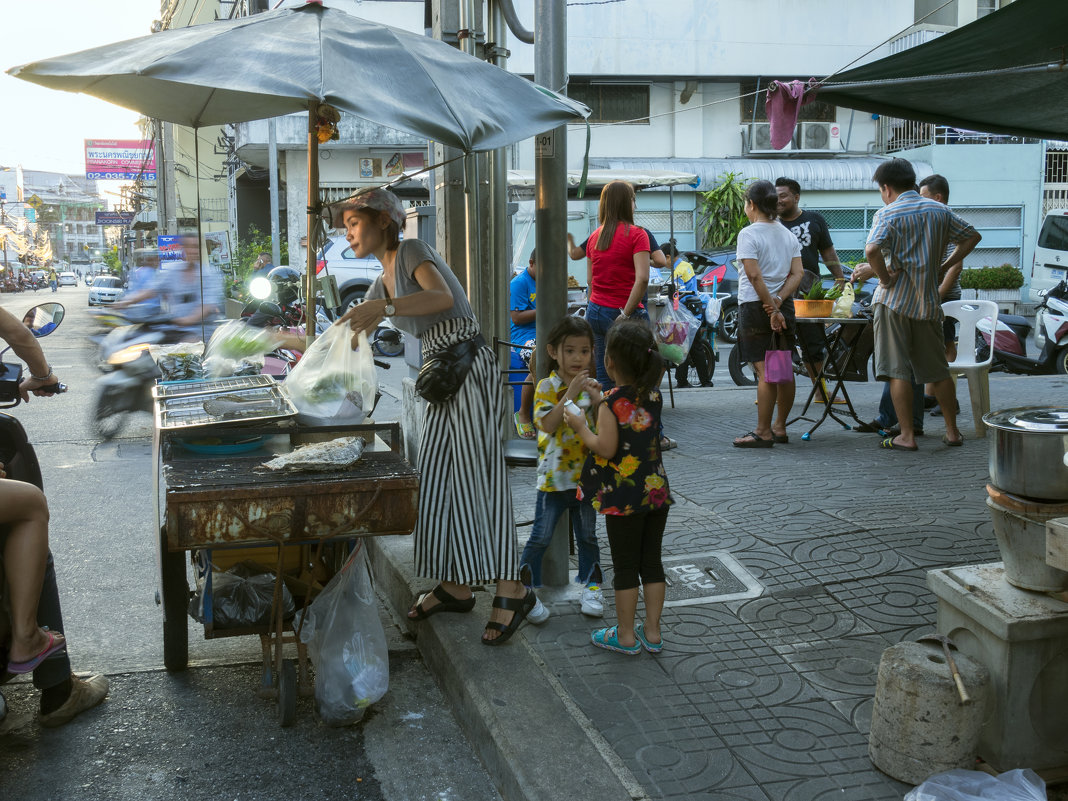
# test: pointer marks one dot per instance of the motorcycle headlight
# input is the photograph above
(127, 355)
(260, 288)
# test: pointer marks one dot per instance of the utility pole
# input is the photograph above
(550, 221)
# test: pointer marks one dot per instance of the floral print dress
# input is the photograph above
(633, 481)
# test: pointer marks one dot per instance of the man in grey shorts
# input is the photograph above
(905, 249)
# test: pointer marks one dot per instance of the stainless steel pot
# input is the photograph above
(1028, 453)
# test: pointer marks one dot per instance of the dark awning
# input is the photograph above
(1004, 73)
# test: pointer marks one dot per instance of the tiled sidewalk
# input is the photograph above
(770, 697)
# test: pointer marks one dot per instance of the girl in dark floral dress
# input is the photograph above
(624, 478)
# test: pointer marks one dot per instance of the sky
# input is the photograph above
(45, 129)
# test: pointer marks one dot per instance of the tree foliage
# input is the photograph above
(721, 212)
(250, 247)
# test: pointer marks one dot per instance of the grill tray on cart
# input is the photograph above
(182, 405)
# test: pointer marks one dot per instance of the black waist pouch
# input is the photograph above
(444, 372)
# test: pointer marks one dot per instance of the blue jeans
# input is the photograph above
(888, 416)
(547, 512)
(600, 319)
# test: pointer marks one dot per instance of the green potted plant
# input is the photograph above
(999, 284)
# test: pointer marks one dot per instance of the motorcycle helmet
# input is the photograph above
(286, 283)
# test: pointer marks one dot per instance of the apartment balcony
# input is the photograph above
(893, 134)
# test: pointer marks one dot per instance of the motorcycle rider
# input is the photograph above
(189, 295)
(29, 568)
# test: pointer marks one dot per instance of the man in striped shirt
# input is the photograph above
(905, 249)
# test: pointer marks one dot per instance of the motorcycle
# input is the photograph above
(387, 340)
(700, 363)
(1010, 338)
(130, 371)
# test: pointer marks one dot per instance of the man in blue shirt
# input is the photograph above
(524, 293)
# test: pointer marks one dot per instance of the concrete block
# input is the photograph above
(1057, 543)
(919, 726)
(1022, 639)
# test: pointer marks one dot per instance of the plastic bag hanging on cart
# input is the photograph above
(332, 381)
(347, 644)
(675, 331)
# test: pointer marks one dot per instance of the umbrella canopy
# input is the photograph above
(286, 60)
(1004, 73)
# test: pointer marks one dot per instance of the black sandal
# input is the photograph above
(447, 603)
(519, 607)
(751, 440)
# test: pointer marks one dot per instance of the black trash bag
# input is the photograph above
(242, 596)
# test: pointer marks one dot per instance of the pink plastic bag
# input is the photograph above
(778, 364)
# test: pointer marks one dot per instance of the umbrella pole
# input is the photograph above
(310, 310)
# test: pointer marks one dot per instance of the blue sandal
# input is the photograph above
(651, 647)
(608, 639)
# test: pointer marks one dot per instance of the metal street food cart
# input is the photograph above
(215, 500)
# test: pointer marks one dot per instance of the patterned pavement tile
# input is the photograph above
(750, 793)
(807, 524)
(674, 766)
(791, 741)
(812, 616)
(892, 601)
(857, 710)
(858, 554)
(945, 545)
(869, 785)
(838, 668)
(774, 568)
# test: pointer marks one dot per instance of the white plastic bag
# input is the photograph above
(347, 644)
(674, 332)
(843, 307)
(714, 308)
(333, 381)
(974, 785)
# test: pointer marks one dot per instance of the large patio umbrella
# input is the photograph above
(300, 57)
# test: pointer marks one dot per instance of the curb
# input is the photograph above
(530, 735)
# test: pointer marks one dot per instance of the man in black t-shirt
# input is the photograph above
(814, 235)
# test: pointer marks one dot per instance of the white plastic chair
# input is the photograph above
(968, 313)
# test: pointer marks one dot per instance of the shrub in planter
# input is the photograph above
(1004, 277)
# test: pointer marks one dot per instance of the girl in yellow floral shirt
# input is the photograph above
(624, 478)
(561, 456)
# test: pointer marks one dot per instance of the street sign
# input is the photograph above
(114, 217)
(35, 201)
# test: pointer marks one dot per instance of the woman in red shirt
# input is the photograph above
(619, 268)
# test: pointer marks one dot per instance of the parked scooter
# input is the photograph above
(1010, 338)
(387, 340)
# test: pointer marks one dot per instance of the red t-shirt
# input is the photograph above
(613, 269)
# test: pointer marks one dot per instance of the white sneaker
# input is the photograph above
(539, 614)
(593, 601)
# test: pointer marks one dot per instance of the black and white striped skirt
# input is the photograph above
(465, 531)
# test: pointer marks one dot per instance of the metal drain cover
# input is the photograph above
(711, 577)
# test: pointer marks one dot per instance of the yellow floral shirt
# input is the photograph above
(561, 454)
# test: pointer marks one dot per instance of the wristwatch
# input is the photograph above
(390, 309)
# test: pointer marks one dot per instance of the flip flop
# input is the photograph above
(667, 443)
(525, 430)
(447, 603)
(754, 442)
(651, 647)
(780, 439)
(56, 643)
(520, 608)
(889, 444)
(953, 443)
(609, 640)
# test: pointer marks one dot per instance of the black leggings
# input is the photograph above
(635, 542)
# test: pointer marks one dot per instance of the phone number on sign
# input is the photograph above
(120, 176)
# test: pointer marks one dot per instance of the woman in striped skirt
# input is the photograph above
(465, 533)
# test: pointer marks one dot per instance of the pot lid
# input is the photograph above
(1039, 419)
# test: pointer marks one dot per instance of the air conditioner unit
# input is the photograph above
(819, 136)
(759, 138)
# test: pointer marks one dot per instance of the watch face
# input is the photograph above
(390, 310)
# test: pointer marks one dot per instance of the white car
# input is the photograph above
(353, 275)
(67, 279)
(105, 289)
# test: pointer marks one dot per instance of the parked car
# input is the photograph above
(68, 279)
(354, 276)
(105, 289)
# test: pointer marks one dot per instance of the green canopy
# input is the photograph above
(1004, 73)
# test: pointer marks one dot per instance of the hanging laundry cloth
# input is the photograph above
(783, 105)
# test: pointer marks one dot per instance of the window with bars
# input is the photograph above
(613, 102)
(1057, 167)
(813, 112)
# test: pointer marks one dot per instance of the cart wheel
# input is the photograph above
(287, 693)
(175, 591)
